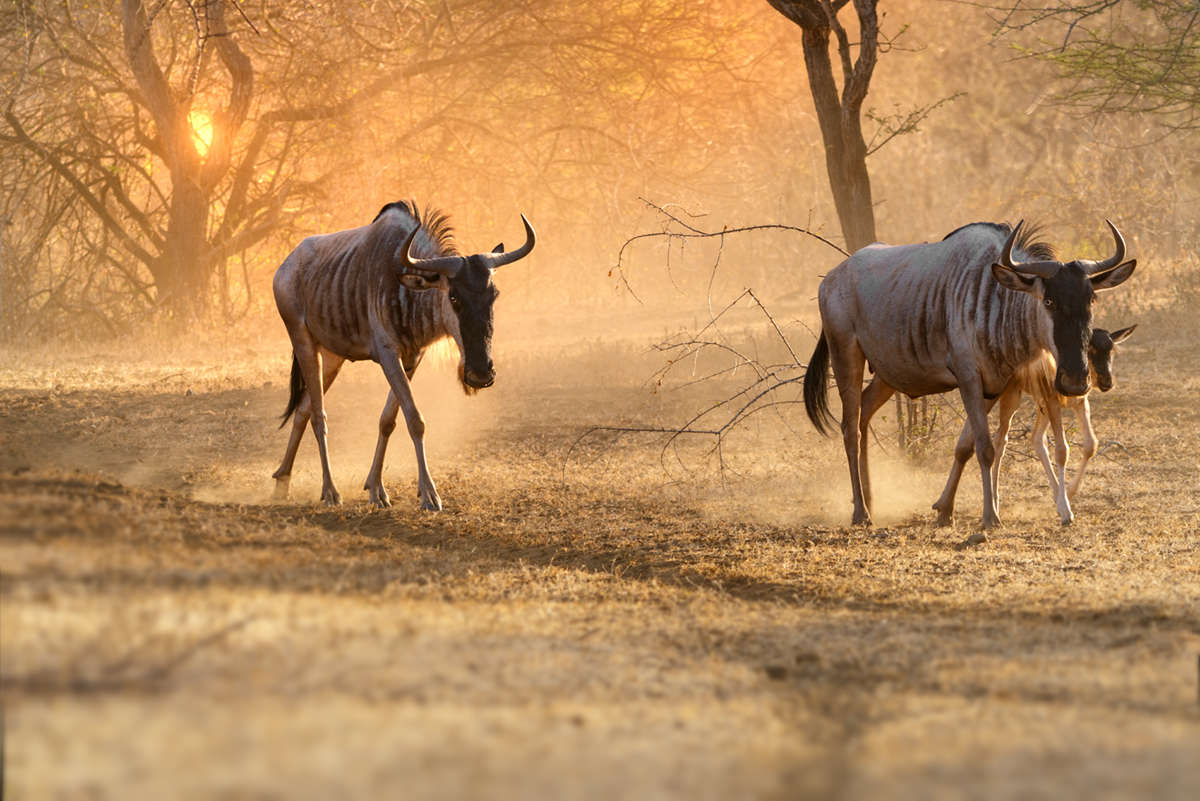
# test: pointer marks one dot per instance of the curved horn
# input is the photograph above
(446, 265)
(1115, 259)
(501, 259)
(1042, 269)
(1006, 253)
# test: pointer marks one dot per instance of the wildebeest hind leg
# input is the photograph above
(962, 453)
(387, 424)
(314, 376)
(970, 387)
(331, 365)
(877, 393)
(848, 362)
(283, 476)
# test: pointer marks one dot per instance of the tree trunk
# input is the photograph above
(185, 280)
(840, 117)
(183, 271)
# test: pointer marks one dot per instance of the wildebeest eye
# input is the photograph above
(454, 299)
(1049, 304)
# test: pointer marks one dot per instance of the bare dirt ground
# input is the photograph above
(578, 623)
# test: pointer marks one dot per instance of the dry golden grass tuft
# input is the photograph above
(587, 618)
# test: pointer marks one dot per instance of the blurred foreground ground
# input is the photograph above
(586, 619)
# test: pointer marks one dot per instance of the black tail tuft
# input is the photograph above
(298, 388)
(816, 388)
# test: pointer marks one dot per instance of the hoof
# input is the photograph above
(280, 495)
(945, 511)
(378, 496)
(331, 498)
(430, 500)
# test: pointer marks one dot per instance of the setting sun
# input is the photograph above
(202, 129)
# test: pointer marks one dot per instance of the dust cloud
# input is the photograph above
(644, 581)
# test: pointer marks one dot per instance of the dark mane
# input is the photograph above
(1027, 247)
(435, 222)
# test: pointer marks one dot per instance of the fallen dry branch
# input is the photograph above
(117, 675)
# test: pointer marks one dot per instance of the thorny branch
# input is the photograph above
(672, 227)
(771, 386)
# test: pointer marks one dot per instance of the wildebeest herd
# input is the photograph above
(989, 310)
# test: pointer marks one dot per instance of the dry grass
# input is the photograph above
(596, 626)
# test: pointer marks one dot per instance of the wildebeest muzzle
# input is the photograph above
(1071, 386)
(476, 380)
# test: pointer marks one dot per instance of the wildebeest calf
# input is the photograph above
(1036, 379)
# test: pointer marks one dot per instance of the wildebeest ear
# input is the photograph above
(1114, 277)
(1011, 279)
(1123, 334)
(420, 282)
(499, 248)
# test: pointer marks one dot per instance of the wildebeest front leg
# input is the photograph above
(402, 391)
(387, 424)
(330, 364)
(1009, 400)
(1058, 478)
(1084, 415)
(1040, 426)
(970, 387)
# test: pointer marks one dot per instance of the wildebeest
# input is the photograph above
(1036, 379)
(959, 313)
(360, 294)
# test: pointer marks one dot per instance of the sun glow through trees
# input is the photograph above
(202, 129)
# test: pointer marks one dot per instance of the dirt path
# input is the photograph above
(584, 627)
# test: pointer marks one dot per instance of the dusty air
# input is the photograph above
(437, 399)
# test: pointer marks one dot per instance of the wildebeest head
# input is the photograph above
(467, 281)
(1100, 354)
(1066, 291)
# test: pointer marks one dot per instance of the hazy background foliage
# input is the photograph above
(570, 114)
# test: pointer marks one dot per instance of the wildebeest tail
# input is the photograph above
(298, 388)
(816, 388)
